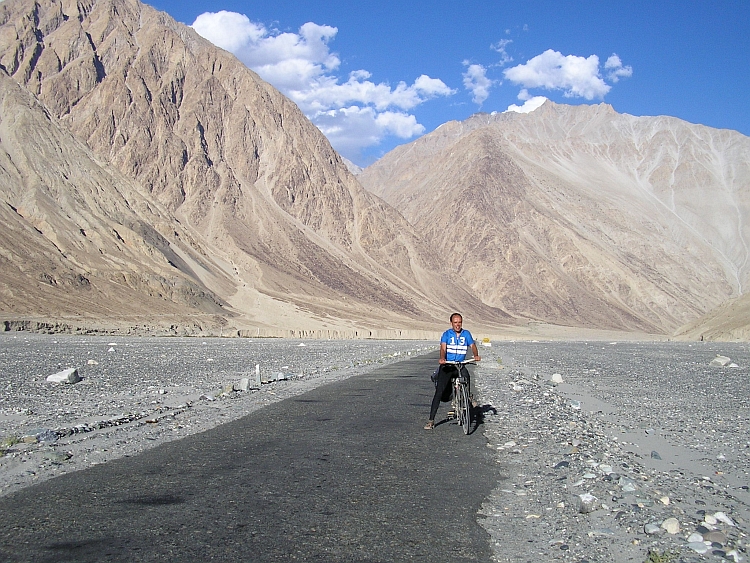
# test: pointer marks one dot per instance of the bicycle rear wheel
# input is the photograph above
(465, 409)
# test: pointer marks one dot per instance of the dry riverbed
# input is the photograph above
(641, 453)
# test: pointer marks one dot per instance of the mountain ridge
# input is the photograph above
(249, 179)
(572, 193)
(149, 177)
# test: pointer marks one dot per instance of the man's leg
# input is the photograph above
(444, 380)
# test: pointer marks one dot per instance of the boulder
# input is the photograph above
(69, 375)
(720, 361)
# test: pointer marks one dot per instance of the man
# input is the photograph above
(454, 344)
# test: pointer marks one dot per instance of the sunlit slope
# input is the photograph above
(291, 236)
(579, 215)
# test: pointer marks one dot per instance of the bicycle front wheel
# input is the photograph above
(465, 409)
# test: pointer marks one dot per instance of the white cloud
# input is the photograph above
(476, 81)
(576, 76)
(357, 128)
(616, 70)
(529, 105)
(228, 30)
(500, 47)
(353, 114)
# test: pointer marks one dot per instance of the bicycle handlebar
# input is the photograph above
(453, 363)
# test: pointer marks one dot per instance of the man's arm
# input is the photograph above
(443, 351)
(475, 351)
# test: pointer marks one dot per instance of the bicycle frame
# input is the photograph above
(461, 400)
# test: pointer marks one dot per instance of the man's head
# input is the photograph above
(457, 321)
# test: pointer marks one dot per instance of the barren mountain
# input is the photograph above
(68, 252)
(270, 223)
(148, 177)
(579, 215)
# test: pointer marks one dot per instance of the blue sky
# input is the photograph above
(373, 75)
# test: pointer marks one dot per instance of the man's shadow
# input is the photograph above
(477, 417)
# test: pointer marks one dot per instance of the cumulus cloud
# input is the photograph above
(575, 76)
(353, 114)
(616, 70)
(476, 82)
(358, 127)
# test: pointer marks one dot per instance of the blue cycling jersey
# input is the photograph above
(456, 344)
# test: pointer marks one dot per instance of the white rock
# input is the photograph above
(586, 503)
(695, 537)
(722, 517)
(720, 361)
(734, 556)
(711, 520)
(243, 385)
(628, 486)
(556, 378)
(671, 525)
(69, 375)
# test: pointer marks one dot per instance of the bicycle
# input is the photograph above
(461, 402)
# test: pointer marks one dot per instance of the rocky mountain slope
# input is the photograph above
(66, 250)
(579, 215)
(148, 178)
(227, 186)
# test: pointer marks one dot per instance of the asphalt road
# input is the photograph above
(342, 473)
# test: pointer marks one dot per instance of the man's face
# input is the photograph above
(457, 322)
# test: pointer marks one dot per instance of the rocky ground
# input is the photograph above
(642, 453)
(135, 393)
(611, 452)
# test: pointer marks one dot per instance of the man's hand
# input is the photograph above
(477, 358)
(441, 361)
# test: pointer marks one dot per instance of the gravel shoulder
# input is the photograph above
(643, 448)
(642, 445)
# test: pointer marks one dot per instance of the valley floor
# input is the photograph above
(642, 446)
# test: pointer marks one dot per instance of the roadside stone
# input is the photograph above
(68, 376)
(715, 537)
(722, 517)
(586, 503)
(720, 361)
(671, 526)
(698, 547)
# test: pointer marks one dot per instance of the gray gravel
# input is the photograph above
(136, 393)
(650, 431)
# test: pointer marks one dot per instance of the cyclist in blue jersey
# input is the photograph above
(454, 344)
